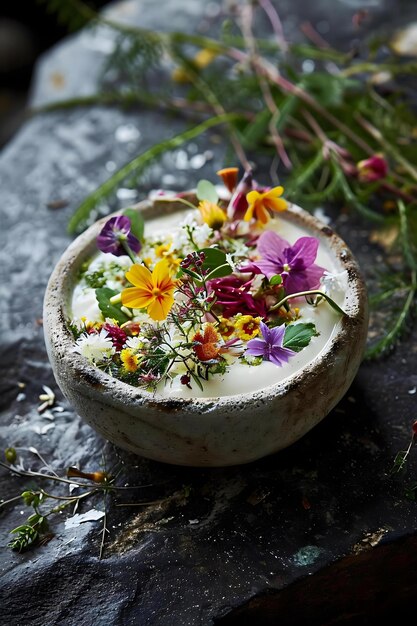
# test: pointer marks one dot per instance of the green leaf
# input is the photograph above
(215, 263)
(137, 223)
(275, 280)
(298, 336)
(207, 191)
(103, 295)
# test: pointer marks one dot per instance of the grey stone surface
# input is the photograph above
(247, 532)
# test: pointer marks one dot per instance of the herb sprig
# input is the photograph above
(326, 132)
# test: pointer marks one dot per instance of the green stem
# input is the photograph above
(314, 292)
(129, 252)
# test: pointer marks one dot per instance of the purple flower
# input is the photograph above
(270, 345)
(115, 237)
(294, 263)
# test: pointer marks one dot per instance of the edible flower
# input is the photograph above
(115, 237)
(129, 359)
(212, 214)
(295, 264)
(96, 347)
(270, 345)
(259, 204)
(232, 293)
(206, 344)
(372, 169)
(247, 326)
(238, 203)
(152, 291)
(225, 327)
(116, 334)
(229, 177)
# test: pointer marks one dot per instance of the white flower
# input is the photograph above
(97, 347)
(332, 283)
(134, 343)
(202, 234)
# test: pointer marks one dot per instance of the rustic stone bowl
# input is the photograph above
(207, 432)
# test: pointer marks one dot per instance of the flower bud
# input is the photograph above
(372, 169)
(10, 455)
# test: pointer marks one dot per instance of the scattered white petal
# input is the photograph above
(42, 430)
(90, 516)
(20, 397)
(48, 415)
(412, 391)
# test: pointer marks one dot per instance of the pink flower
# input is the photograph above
(233, 295)
(374, 168)
(295, 264)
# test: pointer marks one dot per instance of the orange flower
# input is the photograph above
(229, 177)
(152, 290)
(260, 203)
(212, 214)
(206, 344)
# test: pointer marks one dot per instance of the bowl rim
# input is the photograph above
(60, 341)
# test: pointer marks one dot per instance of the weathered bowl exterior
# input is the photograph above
(208, 432)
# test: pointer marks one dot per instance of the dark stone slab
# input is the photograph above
(320, 533)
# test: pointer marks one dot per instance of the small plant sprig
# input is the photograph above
(401, 459)
(36, 530)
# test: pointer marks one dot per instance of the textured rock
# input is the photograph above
(282, 531)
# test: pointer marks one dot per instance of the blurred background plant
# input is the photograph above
(337, 127)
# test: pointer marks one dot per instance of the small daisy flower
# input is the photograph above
(134, 343)
(97, 347)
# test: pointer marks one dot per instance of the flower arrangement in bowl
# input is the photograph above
(206, 328)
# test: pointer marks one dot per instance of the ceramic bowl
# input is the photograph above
(211, 431)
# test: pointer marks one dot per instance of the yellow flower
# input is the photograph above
(165, 251)
(259, 203)
(247, 326)
(202, 59)
(226, 327)
(152, 290)
(162, 250)
(129, 359)
(212, 214)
